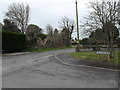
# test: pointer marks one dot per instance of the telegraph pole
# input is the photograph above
(78, 48)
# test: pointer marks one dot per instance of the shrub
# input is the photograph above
(13, 42)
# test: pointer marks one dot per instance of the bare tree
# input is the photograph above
(68, 24)
(56, 39)
(65, 39)
(50, 33)
(101, 13)
(53, 37)
(103, 16)
(19, 13)
(49, 29)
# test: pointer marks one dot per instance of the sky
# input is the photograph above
(43, 12)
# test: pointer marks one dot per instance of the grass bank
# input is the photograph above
(94, 57)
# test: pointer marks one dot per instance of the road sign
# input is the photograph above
(107, 53)
(103, 53)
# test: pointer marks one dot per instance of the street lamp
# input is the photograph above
(78, 48)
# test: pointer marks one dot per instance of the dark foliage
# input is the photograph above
(88, 41)
(13, 42)
(10, 26)
(33, 32)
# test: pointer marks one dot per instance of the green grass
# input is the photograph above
(94, 56)
(44, 49)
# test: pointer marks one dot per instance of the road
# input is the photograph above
(42, 70)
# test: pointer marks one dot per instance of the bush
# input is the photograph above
(13, 42)
(88, 41)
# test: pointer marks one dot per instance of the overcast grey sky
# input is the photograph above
(43, 12)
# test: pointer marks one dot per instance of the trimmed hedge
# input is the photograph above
(13, 42)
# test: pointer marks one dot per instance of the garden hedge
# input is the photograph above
(13, 42)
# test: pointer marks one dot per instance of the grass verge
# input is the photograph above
(44, 49)
(92, 56)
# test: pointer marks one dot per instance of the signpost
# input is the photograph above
(107, 53)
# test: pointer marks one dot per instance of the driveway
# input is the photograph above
(43, 70)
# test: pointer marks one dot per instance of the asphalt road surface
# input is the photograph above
(42, 70)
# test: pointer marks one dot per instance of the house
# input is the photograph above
(1, 26)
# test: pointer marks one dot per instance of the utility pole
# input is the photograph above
(119, 13)
(78, 48)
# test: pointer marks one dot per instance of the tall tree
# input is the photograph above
(65, 38)
(53, 37)
(56, 39)
(10, 26)
(33, 32)
(50, 36)
(67, 24)
(103, 16)
(49, 29)
(101, 13)
(19, 13)
(56, 31)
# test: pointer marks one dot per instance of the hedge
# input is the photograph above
(13, 42)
